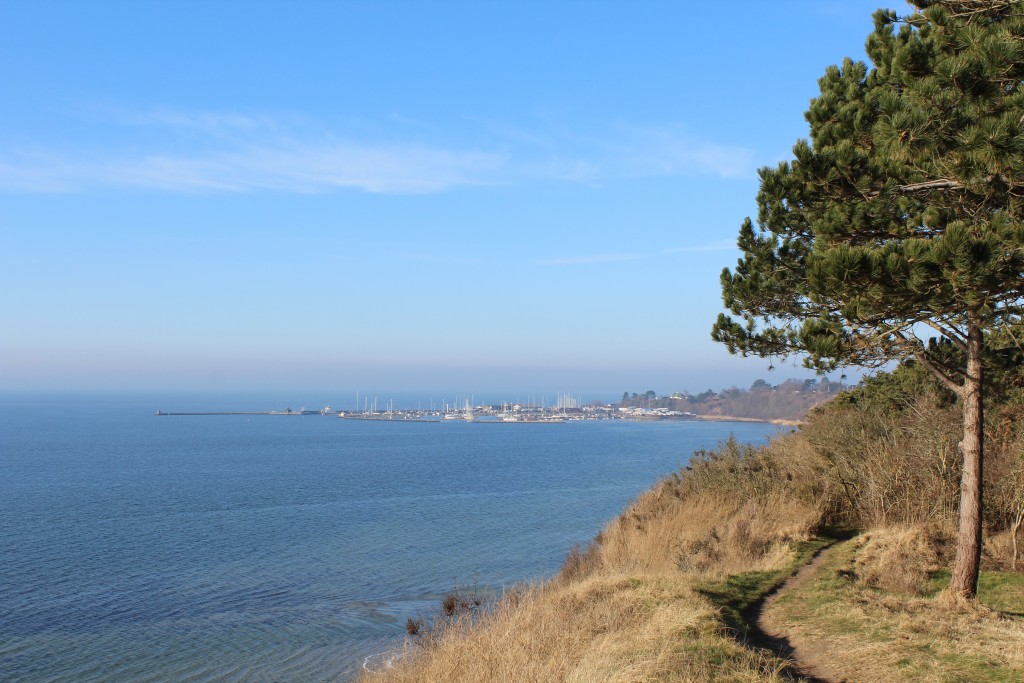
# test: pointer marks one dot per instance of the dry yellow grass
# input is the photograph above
(862, 633)
(898, 559)
(611, 628)
(707, 534)
(628, 607)
(625, 610)
(999, 550)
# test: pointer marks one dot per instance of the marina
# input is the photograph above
(480, 414)
(462, 409)
(536, 409)
(566, 409)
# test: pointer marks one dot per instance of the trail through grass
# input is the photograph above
(862, 633)
(739, 596)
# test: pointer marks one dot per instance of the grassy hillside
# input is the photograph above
(876, 613)
(663, 592)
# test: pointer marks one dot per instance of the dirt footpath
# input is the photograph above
(766, 631)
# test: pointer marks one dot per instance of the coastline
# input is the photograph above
(731, 418)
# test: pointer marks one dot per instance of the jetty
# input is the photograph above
(161, 413)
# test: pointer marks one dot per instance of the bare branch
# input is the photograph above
(942, 184)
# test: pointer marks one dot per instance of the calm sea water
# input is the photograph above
(143, 548)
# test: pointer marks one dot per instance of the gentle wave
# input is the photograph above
(200, 550)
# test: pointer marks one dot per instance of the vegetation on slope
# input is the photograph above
(662, 591)
(875, 612)
(900, 219)
(790, 400)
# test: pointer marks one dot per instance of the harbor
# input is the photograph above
(480, 414)
(462, 409)
(566, 408)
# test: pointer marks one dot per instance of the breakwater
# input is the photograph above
(161, 413)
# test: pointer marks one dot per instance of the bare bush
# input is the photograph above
(896, 468)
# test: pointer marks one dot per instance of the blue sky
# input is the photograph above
(524, 196)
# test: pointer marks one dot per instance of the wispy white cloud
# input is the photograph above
(582, 260)
(201, 151)
(34, 172)
(632, 151)
(666, 150)
(299, 167)
(180, 151)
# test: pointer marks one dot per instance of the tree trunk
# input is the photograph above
(968, 548)
(1017, 523)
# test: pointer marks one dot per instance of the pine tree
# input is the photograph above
(900, 219)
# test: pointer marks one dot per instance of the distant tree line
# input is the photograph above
(790, 400)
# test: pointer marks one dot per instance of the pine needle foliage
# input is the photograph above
(901, 220)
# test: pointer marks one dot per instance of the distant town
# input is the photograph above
(786, 402)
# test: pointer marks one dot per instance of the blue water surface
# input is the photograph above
(274, 548)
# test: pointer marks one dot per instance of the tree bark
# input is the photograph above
(1017, 523)
(968, 549)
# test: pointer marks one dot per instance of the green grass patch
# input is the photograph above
(974, 669)
(1001, 591)
(738, 594)
(903, 637)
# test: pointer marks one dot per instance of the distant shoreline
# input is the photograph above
(405, 416)
(731, 418)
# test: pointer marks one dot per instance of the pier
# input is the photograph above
(161, 413)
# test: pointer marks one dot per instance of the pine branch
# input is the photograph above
(929, 363)
(945, 372)
(949, 333)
